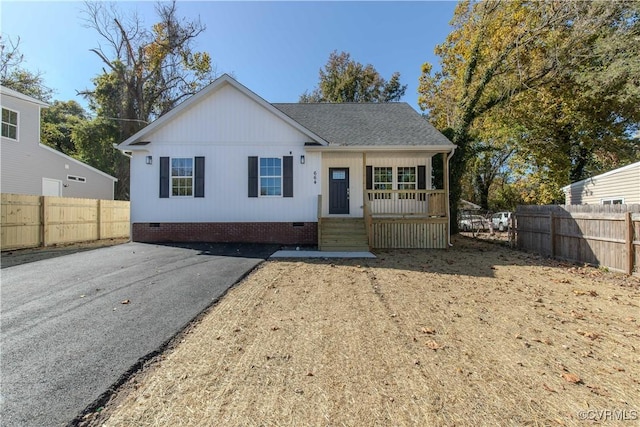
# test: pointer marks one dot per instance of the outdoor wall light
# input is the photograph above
(302, 159)
(149, 160)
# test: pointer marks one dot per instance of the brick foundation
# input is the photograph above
(284, 233)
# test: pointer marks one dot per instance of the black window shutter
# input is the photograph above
(287, 176)
(199, 173)
(253, 176)
(422, 181)
(164, 177)
(422, 177)
(369, 177)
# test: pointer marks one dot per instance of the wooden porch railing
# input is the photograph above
(406, 203)
(368, 220)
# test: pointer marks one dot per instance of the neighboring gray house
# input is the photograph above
(619, 186)
(29, 167)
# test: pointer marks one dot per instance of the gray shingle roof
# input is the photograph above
(360, 124)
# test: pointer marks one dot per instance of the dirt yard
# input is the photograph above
(479, 335)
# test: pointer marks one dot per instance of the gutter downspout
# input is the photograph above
(448, 198)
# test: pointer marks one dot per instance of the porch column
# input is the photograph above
(445, 180)
(364, 179)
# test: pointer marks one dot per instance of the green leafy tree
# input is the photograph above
(501, 53)
(94, 140)
(147, 72)
(346, 80)
(58, 123)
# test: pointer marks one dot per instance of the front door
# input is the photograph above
(338, 190)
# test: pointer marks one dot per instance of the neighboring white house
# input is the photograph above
(226, 165)
(619, 186)
(29, 167)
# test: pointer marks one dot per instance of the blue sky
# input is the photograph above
(274, 48)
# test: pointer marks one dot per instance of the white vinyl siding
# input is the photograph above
(227, 117)
(620, 184)
(9, 124)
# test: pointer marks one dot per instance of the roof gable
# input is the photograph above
(5, 91)
(191, 105)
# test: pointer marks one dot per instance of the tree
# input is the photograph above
(58, 123)
(94, 142)
(345, 80)
(147, 71)
(13, 76)
(500, 53)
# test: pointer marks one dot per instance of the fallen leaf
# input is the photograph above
(590, 293)
(590, 335)
(428, 331)
(600, 391)
(546, 387)
(571, 378)
(125, 302)
(433, 345)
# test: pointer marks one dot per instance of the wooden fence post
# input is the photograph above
(45, 220)
(552, 233)
(629, 242)
(511, 230)
(99, 218)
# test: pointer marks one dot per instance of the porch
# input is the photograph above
(391, 219)
(389, 199)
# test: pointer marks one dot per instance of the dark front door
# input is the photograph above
(338, 190)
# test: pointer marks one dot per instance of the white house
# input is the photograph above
(227, 166)
(619, 186)
(29, 167)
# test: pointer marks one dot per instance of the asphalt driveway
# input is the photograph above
(73, 325)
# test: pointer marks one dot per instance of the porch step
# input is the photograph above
(343, 234)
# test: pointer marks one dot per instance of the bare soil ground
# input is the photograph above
(477, 335)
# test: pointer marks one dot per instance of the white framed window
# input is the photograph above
(407, 180)
(612, 201)
(182, 177)
(270, 176)
(383, 180)
(9, 124)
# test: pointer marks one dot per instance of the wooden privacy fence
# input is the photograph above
(32, 221)
(607, 236)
